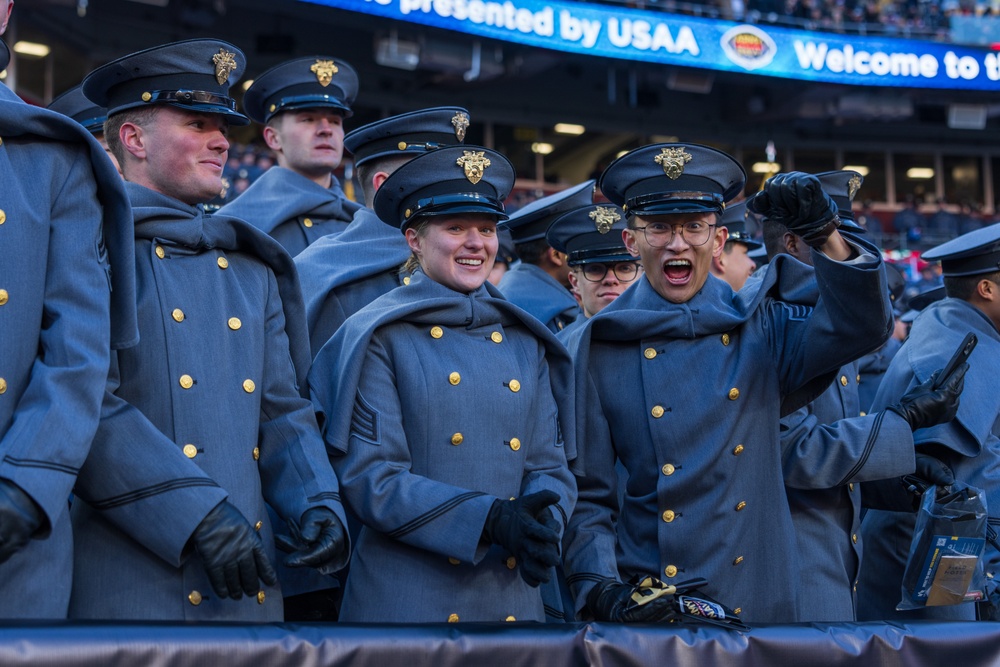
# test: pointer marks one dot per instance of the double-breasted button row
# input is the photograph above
(178, 316)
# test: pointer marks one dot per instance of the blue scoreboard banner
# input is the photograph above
(652, 36)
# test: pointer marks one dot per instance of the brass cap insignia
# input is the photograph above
(604, 218)
(672, 160)
(324, 71)
(474, 163)
(225, 63)
(461, 123)
(853, 186)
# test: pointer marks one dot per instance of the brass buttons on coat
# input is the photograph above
(854, 538)
(649, 353)
(454, 378)
(453, 618)
(308, 222)
(511, 562)
(186, 381)
(256, 453)
(257, 526)
(160, 252)
(669, 516)
(260, 597)
(457, 439)
(843, 380)
(249, 386)
(510, 619)
(3, 386)
(406, 280)
(514, 386)
(668, 469)
(178, 315)
(3, 217)
(858, 378)
(515, 444)
(657, 411)
(234, 323)
(190, 451)
(4, 296)
(223, 263)
(725, 339)
(436, 332)
(496, 337)
(737, 450)
(670, 570)
(194, 597)
(454, 561)
(850, 487)
(741, 505)
(737, 560)
(734, 393)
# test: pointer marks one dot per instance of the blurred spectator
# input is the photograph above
(908, 222)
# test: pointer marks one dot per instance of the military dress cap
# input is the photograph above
(457, 179)
(530, 222)
(315, 82)
(74, 103)
(734, 220)
(673, 178)
(927, 297)
(969, 254)
(410, 133)
(194, 75)
(590, 234)
(843, 186)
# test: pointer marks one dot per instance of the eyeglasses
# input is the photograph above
(660, 234)
(624, 271)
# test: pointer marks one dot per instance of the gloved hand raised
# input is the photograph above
(797, 201)
(925, 406)
(319, 540)
(648, 601)
(232, 553)
(20, 518)
(526, 528)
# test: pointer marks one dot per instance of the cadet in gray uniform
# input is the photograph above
(342, 274)
(734, 264)
(67, 290)
(302, 104)
(706, 373)
(539, 283)
(969, 444)
(463, 505)
(205, 418)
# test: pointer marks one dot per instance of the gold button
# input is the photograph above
(668, 469)
(738, 560)
(3, 216)
(510, 619)
(178, 315)
(260, 597)
(194, 597)
(657, 411)
(3, 385)
(160, 252)
(453, 618)
(457, 439)
(436, 332)
(670, 570)
(514, 386)
(257, 526)
(406, 280)
(234, 323)
(725, 339)
(863, 413)
(738, 611)
(401, 145)
(190, 451)
(147, 97)
(454, 561)
(858, 378)
(223, 263)
(843, 380)
(649, 353)
(515, 444)
(272, 108)
(407, 213)
(186, 381)
(496, 337)
(4, 296)
(249, 386)
(850, 487)
(307, 222)
(256, 453)
(740, 505)
(734, 393)
(511, 562)
(854, 538)
(669, 516)
(454, 378)
(737, 450)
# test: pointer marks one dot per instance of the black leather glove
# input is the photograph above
(797, 201)
(932, 471)
(925, 406)
(647, 601)
(232, 553)
(318, 541)
(526, 527)
(20, 518)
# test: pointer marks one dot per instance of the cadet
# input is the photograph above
(204, 419)
(540, 282)
(968, 444)
(506, 256)
(699, 437)
(829, 447)
(341, 275)
(601, 267)
(302, 104)
(734, 264)
(74, 104)
(63, 216)
(462, 506)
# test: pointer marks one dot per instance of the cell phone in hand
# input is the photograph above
(957, 359)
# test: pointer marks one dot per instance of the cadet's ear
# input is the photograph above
(628, 238)
(987, 290)
(378, 179)
(5, 19)
(133, 139)
(791, 243)
(556, 258)
(272, 138)
(573, 282)
(721, 236)
(413, 240)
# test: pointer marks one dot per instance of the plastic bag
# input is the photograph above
(945, 566)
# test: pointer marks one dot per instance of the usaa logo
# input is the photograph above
(749, 47)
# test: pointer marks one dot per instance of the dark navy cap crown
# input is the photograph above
(530, 222)
(457, 179)
(843, 186)
(410, 133)
(505, 252)
(590, 234)
(673, 178)
(969, 254)
(314, 82)
(194, 75)
(734, 220)
(74, 103)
